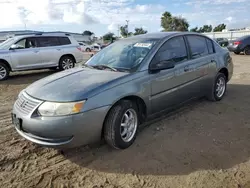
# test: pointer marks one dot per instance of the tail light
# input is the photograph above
(79, 48)
(237, 42)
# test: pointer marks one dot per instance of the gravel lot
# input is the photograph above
(203, 144)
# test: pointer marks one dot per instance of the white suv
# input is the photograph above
(38, 51)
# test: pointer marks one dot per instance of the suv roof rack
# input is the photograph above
(53, 33)
(38, 33)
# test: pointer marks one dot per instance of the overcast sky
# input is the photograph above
(101, 16)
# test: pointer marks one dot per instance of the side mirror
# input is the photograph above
(14, 46)
(162, 65)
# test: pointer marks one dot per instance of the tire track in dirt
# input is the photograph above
(23, 164)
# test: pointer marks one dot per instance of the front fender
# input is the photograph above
(140, 87)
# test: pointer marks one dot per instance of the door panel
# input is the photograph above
(50, 51)
(165, 84)
(163, 90)
(193, 73)
(190, 78)
(27, 56)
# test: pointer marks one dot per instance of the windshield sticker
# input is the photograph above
(144, 45)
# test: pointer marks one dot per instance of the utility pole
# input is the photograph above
(127, 26)
(118, 31)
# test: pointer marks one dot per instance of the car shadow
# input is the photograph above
(27, 77)
(200, 136)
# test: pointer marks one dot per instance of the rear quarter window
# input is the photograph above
(210, 46)
(64, 40)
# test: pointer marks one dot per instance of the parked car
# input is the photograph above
(223, 42)
(123, 85)
(38, 51)
(95, 47)
(241, 44)
(85, 47)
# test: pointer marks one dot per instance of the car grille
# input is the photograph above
(25, 104)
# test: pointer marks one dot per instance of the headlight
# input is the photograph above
(60, 109)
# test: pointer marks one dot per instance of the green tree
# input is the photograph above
(124, 31)
(89, 33)
(205, 29)
(173, 23)
(108, 36)
(195, 29)
(139, 31)
(220, 27)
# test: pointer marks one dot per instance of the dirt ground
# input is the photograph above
(203, 144)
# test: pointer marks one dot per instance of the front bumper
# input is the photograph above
(60, 132)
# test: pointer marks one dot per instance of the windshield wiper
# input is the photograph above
(105, 66)
(88, 66)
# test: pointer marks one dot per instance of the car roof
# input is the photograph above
(155, 35)
(161, 35)
(42, 35)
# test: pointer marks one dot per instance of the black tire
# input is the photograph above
(237, 53)
(65, 59)
(112, 125)
(88, 50)
(247, 50)
(4, 71)
(213, 95)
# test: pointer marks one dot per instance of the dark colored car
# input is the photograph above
(241, 44)
(125, 84)
(223, 42)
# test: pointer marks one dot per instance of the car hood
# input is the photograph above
(72, 85)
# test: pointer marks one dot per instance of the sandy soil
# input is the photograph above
(203, 144)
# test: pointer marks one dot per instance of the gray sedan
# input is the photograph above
(119, 88)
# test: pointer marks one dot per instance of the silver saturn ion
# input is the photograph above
(38, 51)
(119, 88)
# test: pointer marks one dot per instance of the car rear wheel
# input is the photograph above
(219, 88)
(88, 50)
(66, 62)
(4, 71)
(121, 124)
(247, 50)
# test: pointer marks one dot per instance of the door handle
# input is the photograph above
(186, 69)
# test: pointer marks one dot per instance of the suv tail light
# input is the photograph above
(237, 42)
(79, 48)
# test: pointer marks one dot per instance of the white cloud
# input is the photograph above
(82, 12)
(229, 19)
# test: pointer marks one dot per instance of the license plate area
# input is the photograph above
(17, 122)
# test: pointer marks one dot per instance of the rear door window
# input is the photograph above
(198, 46)
(48, 41)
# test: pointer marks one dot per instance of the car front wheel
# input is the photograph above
(4, 71)
(121, 124)
(219, 88)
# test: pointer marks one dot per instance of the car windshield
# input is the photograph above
(123, 55)
(6, 44)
